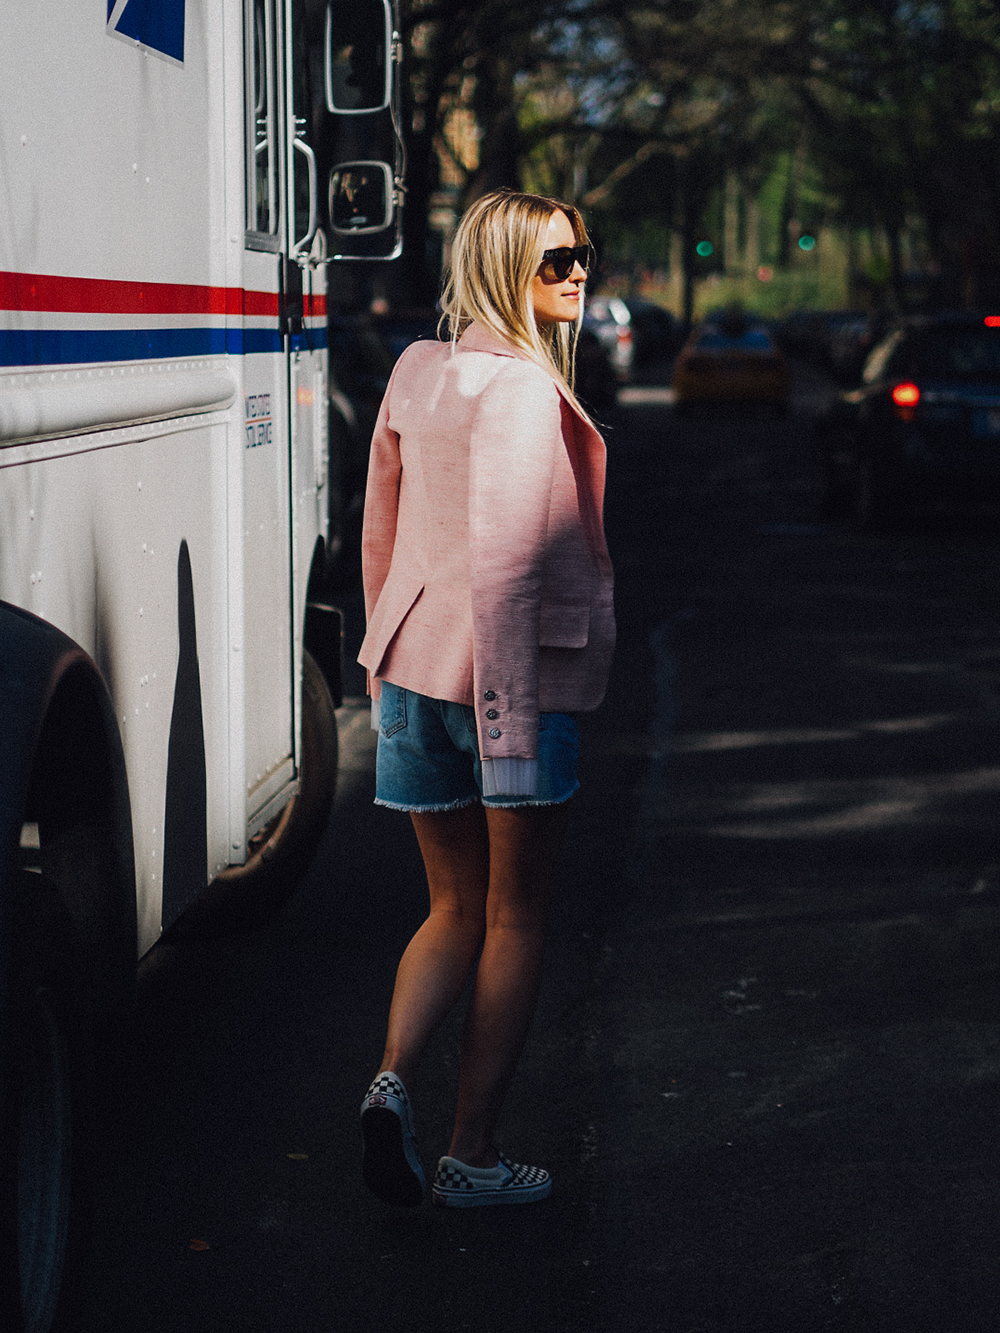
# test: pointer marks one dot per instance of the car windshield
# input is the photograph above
(961, 354)
(715, 340)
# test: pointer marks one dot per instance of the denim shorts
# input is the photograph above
(428, 756)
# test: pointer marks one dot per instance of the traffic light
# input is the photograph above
(707, 257)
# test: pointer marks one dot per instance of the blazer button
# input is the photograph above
(492, 714)
(494, 733)
(490, 694)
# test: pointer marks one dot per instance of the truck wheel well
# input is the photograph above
(78, 800)
(71, 779)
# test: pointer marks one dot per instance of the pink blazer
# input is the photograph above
(486, 573)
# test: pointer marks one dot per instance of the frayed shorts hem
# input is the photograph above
(428, 809)
(490, 802)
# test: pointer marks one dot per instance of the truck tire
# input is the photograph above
(67, 969)
(51, 1112)
(245, 897)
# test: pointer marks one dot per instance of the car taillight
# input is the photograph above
(905, 398)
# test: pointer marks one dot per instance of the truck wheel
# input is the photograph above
(50, 1098)
(245, 897)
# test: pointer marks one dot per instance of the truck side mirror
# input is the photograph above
(358, 56)
(361, 198)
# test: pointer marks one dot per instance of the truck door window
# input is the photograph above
(261, 140)
(307, 99)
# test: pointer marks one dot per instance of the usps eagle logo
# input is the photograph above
(156, 24)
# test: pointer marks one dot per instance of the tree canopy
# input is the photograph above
(647, 112)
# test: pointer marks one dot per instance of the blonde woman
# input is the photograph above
(490, 622)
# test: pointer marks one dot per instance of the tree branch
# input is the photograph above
(600, 192)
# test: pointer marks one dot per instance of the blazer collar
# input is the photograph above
(476, 338)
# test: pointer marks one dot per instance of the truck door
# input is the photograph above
(266, 647)
(283, 337)
(306, 285)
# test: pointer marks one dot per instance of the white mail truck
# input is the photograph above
(172, 191)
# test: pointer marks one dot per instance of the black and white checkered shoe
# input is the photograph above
(390, 1163)
(459, 1186)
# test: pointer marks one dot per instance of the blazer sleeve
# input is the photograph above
(515, 435)
(378, 534)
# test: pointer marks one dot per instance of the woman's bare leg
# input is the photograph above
(523, 846)
(455, 848)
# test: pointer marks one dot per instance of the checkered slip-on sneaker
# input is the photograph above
(459, 1186)
(390, 1164)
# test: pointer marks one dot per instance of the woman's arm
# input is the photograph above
(378, 534)
(515, 435)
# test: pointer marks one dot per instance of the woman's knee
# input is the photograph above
(459, 915)
(516, 917)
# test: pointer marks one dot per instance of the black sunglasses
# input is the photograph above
(564, 258)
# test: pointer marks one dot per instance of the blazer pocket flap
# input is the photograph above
(564, 625)
(391, 609)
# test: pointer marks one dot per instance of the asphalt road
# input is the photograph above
(765, 1068)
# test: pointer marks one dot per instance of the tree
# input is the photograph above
(463, 59)
(643, 111)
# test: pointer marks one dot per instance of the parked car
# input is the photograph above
(813, 334)
(853, 341)
(923, 427)
(655, 332)
(730, 360)
(596, 381)
(609, 320)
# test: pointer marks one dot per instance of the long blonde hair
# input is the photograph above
(495, 255)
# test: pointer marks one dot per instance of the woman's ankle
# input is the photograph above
(469, 1155)
(400, 1067)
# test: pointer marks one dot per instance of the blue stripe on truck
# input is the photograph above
(54, 347)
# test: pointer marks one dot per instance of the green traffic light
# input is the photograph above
(704, 248)
(807, 242)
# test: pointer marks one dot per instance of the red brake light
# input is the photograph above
(992, 321)
(906, 395)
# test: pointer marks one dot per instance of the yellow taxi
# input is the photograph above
(730, 360)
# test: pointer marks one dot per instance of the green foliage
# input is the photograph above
(747, 121)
